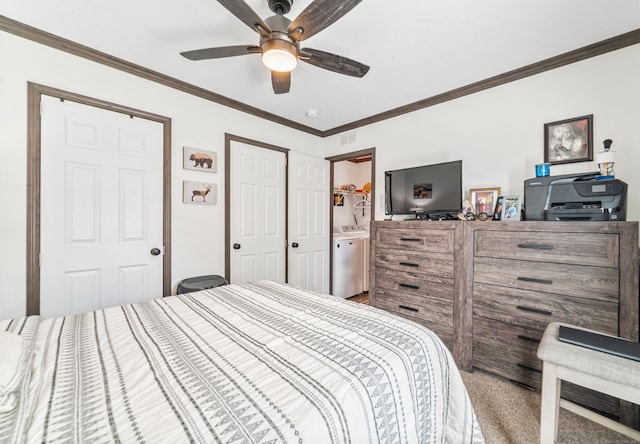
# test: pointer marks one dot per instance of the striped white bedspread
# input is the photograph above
(252, 363)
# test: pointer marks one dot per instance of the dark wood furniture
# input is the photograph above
(491, 288)
(416, 273)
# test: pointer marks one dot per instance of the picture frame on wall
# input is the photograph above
(569, 140)
(199, 193)
(200, 160)
(483, 200)
(511, 208)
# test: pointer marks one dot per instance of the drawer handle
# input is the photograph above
(408, 308)
(536, 246)
(409, 239)
(534, 310)
(530, 339)
(413, 287)
(409, 264)
(535, 280)
(526, 367)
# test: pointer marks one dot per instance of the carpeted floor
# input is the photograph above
(510, 414)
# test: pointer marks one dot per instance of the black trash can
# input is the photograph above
(200, 283)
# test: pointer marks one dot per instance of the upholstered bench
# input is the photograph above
(596, 370)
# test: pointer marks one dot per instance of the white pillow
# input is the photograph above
(11, 372)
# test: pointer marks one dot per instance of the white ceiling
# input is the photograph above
(416, 48)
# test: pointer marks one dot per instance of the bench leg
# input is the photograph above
(550, 404)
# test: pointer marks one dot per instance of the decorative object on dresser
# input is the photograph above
(500, 284)
(483, 200)
(511, 208)
(606, 159)
(497, 212)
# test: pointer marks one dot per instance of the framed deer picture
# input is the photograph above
(199, 193)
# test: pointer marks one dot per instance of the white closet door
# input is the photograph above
(309, 205)
(258, 213)
(101, 208)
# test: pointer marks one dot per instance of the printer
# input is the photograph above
(575, 197)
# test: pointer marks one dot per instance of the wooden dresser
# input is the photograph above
(527, 274)
(489, 289)
(413, 274)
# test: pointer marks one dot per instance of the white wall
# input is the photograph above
(197, 231)
(498, 133)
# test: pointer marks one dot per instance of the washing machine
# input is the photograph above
(350, 260)
(360, 232)
(347, 266)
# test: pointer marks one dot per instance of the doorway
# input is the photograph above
(352, 210)
(129, 179)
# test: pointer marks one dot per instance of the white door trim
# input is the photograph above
(35, 92)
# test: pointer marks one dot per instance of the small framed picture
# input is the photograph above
(497, 212)
(568, 141)
(483, 200)
(199, 193)
(201, 160)
(511, 206)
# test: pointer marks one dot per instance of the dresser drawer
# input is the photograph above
(508, 349)
(597, 249)
(573, 280)
(512, 353)
(536, 310)
(416, 306)
(437, 241)
(415, 284)
(436, 315)
(436, 264)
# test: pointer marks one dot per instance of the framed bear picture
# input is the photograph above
(200, 160)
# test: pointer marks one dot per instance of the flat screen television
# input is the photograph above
(428, 189)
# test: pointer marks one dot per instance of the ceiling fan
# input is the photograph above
(280, 39)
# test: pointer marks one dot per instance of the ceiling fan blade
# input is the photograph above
(281, 81)
(333, 62)
(317, 16)
(220, 52)
(248, 16)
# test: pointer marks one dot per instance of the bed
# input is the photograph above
(251, 363)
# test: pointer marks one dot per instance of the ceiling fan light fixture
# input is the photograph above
(279, 55)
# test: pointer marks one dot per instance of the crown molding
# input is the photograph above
(56, 42)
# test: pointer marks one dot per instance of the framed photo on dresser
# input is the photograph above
(511, 208)
(497, 212)
(483, 200)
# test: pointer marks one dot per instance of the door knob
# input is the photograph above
(155, 251)
(295, 245)
(236, 246)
